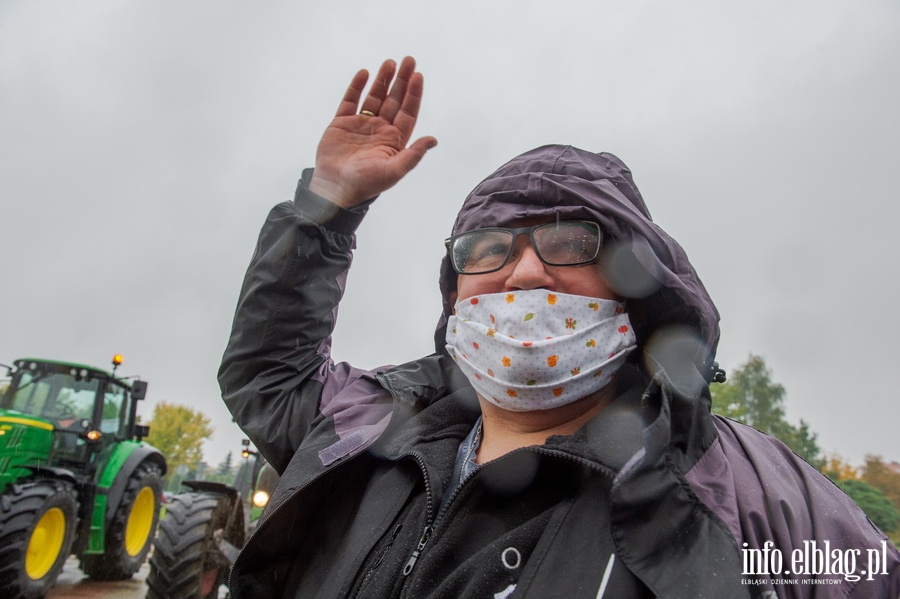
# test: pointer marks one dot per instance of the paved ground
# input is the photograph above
(73, 584)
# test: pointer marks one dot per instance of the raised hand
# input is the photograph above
(364, 150)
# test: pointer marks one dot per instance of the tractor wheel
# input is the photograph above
(37, 528)
(131, 530)
(187, 561)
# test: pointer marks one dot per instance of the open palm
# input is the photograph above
(364, 150)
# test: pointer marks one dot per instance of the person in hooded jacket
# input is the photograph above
(558, 443)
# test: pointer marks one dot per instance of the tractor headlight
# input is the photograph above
(260, 499)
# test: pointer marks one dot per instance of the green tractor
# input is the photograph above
(205, 528)
(75, 476)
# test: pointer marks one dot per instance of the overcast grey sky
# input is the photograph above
(142, 144)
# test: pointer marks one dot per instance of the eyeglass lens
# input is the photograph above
(558, 244)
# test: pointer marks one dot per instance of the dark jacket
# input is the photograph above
(654, 497)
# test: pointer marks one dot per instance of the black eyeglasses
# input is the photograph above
(563, 243)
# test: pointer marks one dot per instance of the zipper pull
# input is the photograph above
(415, 554)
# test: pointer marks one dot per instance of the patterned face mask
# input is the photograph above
(537, 350)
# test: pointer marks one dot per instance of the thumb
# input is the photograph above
(410, 157)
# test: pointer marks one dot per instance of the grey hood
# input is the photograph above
(672, 313)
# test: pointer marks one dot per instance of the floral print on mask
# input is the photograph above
(535, 350)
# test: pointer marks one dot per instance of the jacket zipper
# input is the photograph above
(429, 517)
(411, 563)
(387, 548)
(429, 528)
(379, 559)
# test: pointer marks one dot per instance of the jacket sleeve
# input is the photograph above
(277, 368)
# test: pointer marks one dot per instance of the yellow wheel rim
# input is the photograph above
(140, 521)
(45, 543)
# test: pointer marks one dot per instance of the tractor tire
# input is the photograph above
(187, 561)
(38, 519)
(132, 528)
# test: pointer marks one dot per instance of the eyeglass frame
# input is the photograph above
(448, 243)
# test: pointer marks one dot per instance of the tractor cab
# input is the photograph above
(84, 410)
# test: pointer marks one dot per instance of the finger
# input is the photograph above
(405, 120)
(354, 92)
(380, 87)
(392, 104)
